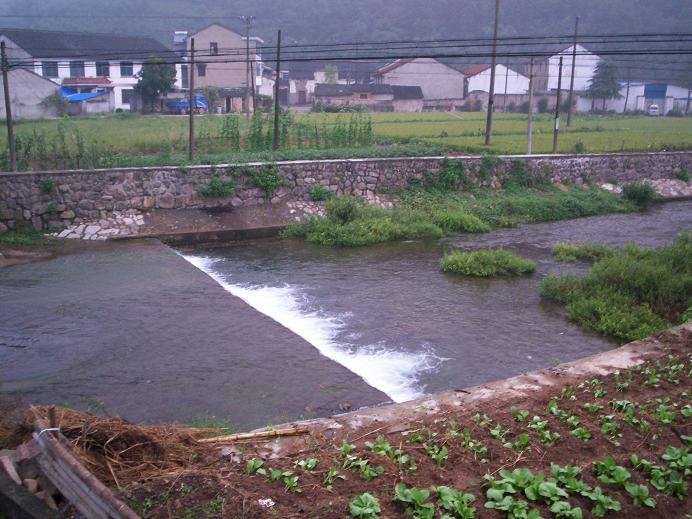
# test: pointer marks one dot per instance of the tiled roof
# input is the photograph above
(61, 44)
(472, 70)
(393, 65)
(337, 90)
(97, 81)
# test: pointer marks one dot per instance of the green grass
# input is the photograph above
(421, 214)
(121, 140)
(486, 263)
(629, 293)
(582, 251)
(223, 425)
(23, 235)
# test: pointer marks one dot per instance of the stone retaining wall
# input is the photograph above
(60, 198)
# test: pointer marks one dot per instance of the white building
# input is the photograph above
(59, 55)
(507, 81)
(437, 80)
(547, 72)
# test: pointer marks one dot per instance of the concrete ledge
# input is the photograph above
(196, 238)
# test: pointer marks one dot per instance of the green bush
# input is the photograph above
(486, 262)
(582, 251)
(319, 193)
(217, 187)
(639, 193)
(683, 175)
(46, 185)
(629, 293)
(451, 176)
(267, 178)
(344, 209)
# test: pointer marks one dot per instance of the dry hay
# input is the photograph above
(119, 453)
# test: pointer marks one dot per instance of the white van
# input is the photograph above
(653, 110)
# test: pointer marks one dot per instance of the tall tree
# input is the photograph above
(154, 80)
(604, 84)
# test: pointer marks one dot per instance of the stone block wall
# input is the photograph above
(59, 198)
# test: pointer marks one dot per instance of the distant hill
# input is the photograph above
(327, 21)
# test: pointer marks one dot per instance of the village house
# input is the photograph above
(303, 76)
(220, 63)
(378, 98)
(546, 70)
(441, 84)
(63, 58)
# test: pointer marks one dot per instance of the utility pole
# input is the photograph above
(529, 130)
(574, 66)
(627, 94)
(504, 99)
(556, 130)
(249, 77)
(8, 107)
(491, 94)
(193, 104)
(277, 90)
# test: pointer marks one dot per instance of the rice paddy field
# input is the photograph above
(459, 131)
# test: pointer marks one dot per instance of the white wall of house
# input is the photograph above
(27, 93)
(506, 81)
(585, 66)
(437, 80)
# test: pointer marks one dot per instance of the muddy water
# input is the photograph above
(274, 330)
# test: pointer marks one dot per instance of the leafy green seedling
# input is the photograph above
(331, 476)
(291, 484)
(365, 506)
(437, 453)
(379, 446)
(308, 464)
(254, 465)
(610, 472)
(455, 502)
(520, 443)
(564, 510)
(582, 433)
(414, 501)
(640, 495)
(519, 414)
(602, 503)
(592, 408)
(664, 414)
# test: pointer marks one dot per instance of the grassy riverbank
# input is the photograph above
(629, 293)
(420, 213)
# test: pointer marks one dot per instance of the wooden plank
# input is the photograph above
(91, 497)
(11, 470)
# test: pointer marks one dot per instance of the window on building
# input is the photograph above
(126, 95)
(50, 68)
(103, 69)
(201, 69)
(363, 96)
(76, 69)
(184, 76)
(213, 48)
(127, 69)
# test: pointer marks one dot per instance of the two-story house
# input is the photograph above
(85, 62)
(220, 61)
(546, 70)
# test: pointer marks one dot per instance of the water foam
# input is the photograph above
(395, 373)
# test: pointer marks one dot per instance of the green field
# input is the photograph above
(133, 139)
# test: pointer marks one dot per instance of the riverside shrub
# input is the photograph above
(582, 251)
(629, 293)
(639, 193)
(485, 263)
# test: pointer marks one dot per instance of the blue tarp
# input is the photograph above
(73, 96)
(200, 102)
(655, 90)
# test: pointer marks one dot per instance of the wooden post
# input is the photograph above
(277, 91)
(491, 94)
(556, 130)
(574, 66)
(627, 94)
(191, 134)
(8, 107)
(529, 130)
(504, 99)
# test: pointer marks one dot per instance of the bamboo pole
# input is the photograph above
(274, 433)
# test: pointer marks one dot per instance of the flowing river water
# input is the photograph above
(274, 330)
